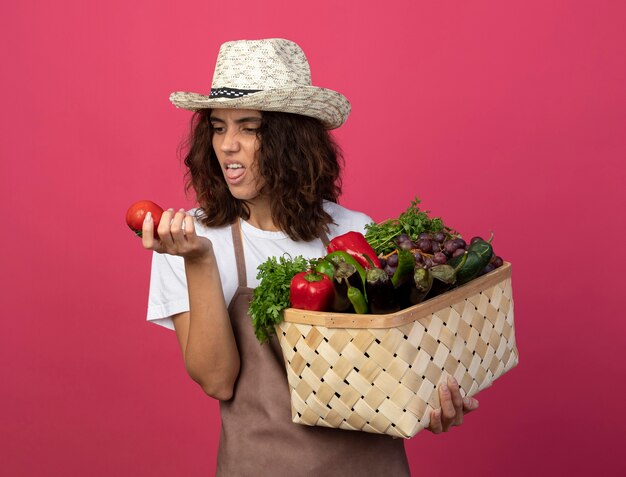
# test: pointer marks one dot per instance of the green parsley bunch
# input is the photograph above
(412, 222)
(271, 297)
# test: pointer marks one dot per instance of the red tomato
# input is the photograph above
(137, 213)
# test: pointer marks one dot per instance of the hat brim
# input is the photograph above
(330, 107)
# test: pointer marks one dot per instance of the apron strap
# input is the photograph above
(324, 238)
(239, 257)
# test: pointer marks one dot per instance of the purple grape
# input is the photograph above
(440, 258)
(425, 235)
(406, 245)
(476, 239)
(450, 246)
(390, 270)
(383, 262)
(402, 238)
(497, 262)
(460, 242)
(418, 257)
(428, 263)
(439, 237)
(424, 245)
(488, 268)
(458, 251)
(392, 260)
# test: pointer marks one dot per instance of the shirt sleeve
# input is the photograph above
(361, 220)
(346, 220)
(168, 289)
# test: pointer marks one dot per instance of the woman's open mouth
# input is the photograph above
(234, 173)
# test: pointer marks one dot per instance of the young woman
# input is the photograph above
(266, 174)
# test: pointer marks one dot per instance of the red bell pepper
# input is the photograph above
(311, 291)
(355, 244)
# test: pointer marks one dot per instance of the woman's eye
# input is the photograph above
(217, 129)
(250, 127)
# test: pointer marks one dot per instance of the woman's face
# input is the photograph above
(237, 148)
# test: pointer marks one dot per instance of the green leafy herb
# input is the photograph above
(412, 222)
(271, 297)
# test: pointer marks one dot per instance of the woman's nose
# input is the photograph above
(230, 142)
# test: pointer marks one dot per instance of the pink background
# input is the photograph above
(503, 116)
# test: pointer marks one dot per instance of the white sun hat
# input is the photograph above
(267, 75)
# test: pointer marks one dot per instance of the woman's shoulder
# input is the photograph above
(212, 233)
(346, 220)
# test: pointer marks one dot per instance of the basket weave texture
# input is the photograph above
(379, 373)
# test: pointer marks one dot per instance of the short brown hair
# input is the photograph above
(300, 164)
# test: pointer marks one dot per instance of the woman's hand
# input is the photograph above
(177, 236)
(453, 407)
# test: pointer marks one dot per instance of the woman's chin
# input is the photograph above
(245, 195)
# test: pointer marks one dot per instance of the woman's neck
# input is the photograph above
(261, 214)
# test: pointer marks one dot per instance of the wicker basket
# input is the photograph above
(379, 373)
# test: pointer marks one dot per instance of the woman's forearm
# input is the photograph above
(211, 355)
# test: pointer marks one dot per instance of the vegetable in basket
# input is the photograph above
(384, 236)
(356, 297)
(412, 273)
(380, 292)
(346, 276)
(324, 266)
(355, 244)
(477, 257)
(271, 297)
(444, 277)
(340, 256)
(406, 264)
(311, 290)
(422, 283)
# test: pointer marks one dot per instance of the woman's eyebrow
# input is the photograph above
(251, 119)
